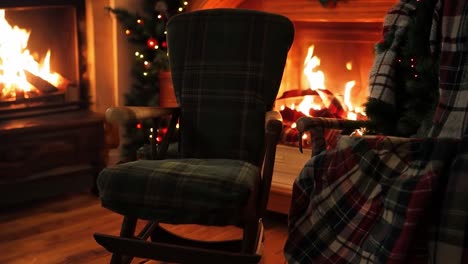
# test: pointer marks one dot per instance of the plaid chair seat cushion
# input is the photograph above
(197, 191)
(362, 201)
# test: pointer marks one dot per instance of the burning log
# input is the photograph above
(41, 84)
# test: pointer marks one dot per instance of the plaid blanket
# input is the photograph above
(361, 202)
(394, 200)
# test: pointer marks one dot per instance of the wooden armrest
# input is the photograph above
(273, 115)
(309, 123)
(317, 125)
(274, 123)
(124, 114)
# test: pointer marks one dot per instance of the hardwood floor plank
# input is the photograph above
(60, 230)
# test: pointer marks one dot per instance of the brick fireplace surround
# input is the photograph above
(110, 57)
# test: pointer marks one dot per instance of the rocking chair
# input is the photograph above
(226, 67)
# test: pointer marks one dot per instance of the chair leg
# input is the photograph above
(250, 237)
(127, 230)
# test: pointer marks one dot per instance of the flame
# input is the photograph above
(306, 104)
(347, 95)
(15, 59)
(315, 78)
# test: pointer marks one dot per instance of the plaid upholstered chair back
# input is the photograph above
(226, 66)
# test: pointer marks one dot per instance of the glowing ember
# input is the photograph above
(16, 59)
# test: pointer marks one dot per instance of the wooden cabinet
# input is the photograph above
(49, 155)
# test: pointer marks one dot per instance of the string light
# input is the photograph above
(128, 32)
(159, 16)
(137, 54)
(181, 9)
(139, 21)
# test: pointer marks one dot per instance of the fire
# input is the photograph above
(316, 80)
(16, 60)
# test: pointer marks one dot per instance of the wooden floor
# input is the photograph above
(60, 230)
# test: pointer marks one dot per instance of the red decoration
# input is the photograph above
(138, 126)
(151, 42)
(164, 44)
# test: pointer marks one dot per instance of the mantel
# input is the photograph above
(309, 10)
(344, 11)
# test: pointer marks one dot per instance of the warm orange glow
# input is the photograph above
(15, 59)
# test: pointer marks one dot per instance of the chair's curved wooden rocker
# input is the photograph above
(226, 66)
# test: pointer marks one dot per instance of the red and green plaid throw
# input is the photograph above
(362, 201)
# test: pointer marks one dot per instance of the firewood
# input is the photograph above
(41, 84)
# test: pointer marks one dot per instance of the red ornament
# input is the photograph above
(151, 42)
(164, 44)
(138, 125)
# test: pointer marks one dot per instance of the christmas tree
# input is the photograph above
(148, 31)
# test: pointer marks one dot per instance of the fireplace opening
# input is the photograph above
(42, 68)
(326, 73)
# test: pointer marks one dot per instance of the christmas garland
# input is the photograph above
(416, 78)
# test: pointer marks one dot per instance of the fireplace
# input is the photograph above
(50, 141)
(42, 63)
(326, 73)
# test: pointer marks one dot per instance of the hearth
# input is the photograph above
(42, 57)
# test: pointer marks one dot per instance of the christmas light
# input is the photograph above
(145, 74)
(159, 16)
(151, 42)
(138, 125)
(137, 54)
(139, 21)
(185, 3)
(128, 32)
(181, 9)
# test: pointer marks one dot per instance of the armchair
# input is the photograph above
(226, 67)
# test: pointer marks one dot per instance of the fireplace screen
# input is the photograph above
(39, 59)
